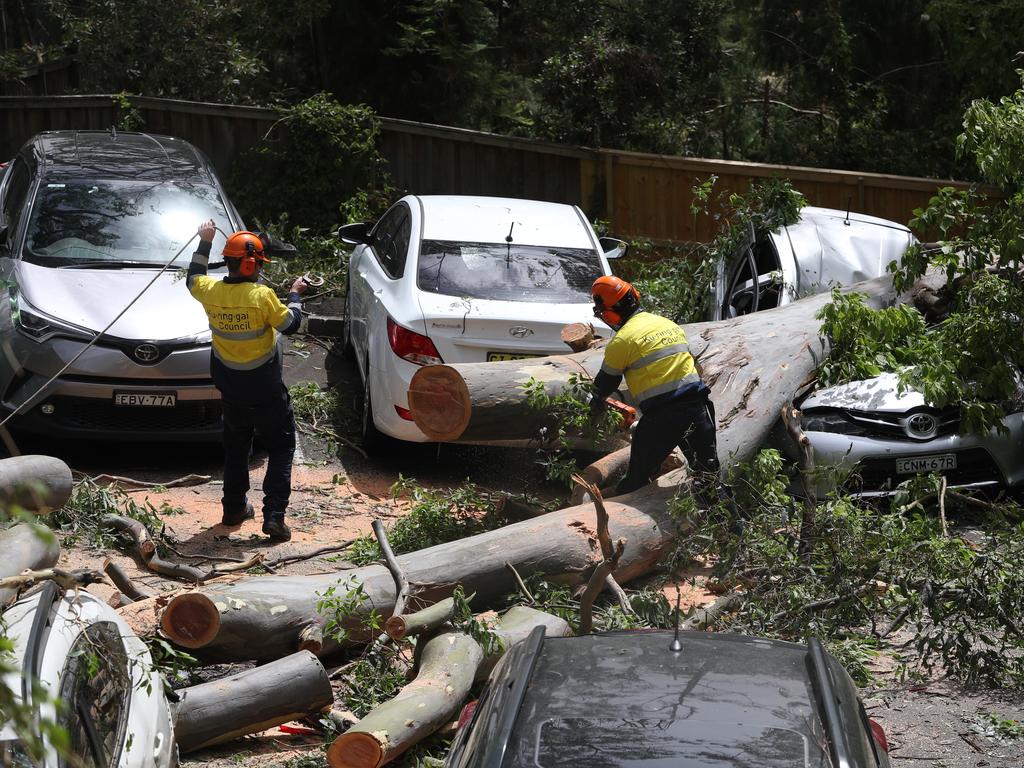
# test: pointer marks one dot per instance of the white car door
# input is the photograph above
(375, 272)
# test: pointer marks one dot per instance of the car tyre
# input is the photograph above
(347, 350)
(372, 438)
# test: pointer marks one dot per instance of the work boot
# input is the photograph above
(276, 529)
(238, 518)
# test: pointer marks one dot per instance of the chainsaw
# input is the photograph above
(627, 412)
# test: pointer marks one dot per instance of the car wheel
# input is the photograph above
(373, 439)
(346, 330)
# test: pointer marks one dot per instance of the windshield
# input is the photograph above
(91, 222)
(514, 272)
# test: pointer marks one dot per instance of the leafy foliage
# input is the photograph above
(435, 516)
(80, 517)
(320, 164)
(341, 605)
(869, 572)
(569, 421)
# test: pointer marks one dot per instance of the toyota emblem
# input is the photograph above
(922, 425)
(147, 353)
(520, 331)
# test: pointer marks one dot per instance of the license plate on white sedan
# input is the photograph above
(494, 356)
(146, 399)
(936, 463)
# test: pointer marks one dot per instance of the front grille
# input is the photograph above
(92, 413)
(974, 465)
(894, 426)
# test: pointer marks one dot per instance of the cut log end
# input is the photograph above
(355, 749)
(579, 336)
(440, 402)
(191, 620)
(395, 627)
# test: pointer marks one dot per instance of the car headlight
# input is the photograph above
(835, 422)
(39, 327)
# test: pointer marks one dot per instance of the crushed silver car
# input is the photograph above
(880, 437)
(80, 651)
(826, 247)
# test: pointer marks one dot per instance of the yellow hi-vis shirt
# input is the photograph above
(652, 352)
(244, 320)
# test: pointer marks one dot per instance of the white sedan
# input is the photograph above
(457, 279)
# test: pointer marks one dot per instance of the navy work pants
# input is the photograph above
(687, 422)
(262, 409)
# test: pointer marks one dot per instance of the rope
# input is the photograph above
(98, 336)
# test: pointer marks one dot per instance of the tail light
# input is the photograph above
(412, 346)
(404, 413)
(467, 713)
(879, 734)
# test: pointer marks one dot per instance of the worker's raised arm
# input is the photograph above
(286, 319)
(201, 257)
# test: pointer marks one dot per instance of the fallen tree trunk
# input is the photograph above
(251, 701)
(37, 484)
(449, 664)
(220, 621)
(24, 549)
(754, 364)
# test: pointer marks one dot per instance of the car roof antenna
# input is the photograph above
(508, 245)
(676, 646)
(846, 221)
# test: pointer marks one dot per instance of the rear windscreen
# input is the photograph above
(610, 743)
(508, 272)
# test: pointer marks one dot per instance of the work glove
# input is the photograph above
(597, 407)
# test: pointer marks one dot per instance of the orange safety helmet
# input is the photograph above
(248, 248)
(614, 299)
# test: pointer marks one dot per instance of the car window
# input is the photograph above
(95, 686)
(510, 272)
(754, 280)
(14, 196)
(390, 240)
(84, 222)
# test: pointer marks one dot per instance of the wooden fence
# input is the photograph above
(640, 195)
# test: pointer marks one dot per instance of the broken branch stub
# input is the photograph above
(422, 622)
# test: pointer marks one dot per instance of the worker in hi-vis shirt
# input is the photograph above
(652, 353)
(245, 320)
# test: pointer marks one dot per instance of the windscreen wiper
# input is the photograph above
(113, 264)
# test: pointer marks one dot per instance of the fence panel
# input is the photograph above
(639, 195)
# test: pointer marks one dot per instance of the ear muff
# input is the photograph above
(247, 266)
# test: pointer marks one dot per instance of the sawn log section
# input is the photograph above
(220, 621)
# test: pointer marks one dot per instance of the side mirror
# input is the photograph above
(277, 248)
(355, 234)
(613, 247)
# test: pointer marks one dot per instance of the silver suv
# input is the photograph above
(86, 218)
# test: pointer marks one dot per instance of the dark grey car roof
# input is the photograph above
(723, 701)
(67, 155)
